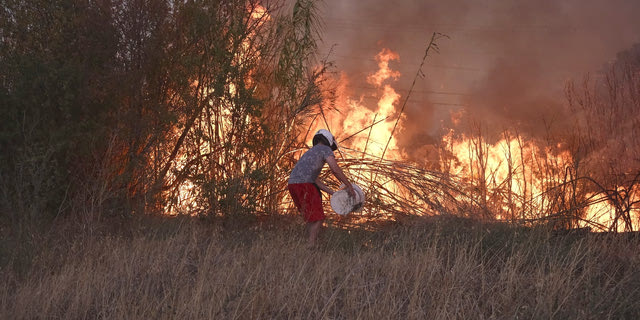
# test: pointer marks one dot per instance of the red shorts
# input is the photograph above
(308, 200)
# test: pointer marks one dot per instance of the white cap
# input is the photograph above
(329, 136)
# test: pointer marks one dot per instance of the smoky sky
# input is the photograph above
(504, 63)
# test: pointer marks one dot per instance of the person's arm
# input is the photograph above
(323, 187)
(333, 165)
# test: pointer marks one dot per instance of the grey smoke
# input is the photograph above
(506, 62)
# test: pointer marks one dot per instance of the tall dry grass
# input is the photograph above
(435, 269)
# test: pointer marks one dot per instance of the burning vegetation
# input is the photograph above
(145, 148)
(475, 172)
(201, 109)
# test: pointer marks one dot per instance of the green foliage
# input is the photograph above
(300, 34)
(54, 57)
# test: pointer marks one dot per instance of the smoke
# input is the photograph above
(504, 65)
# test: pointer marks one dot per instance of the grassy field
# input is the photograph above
(443, 268)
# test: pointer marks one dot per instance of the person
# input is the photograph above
(304, 184)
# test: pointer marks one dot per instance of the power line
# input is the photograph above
(454, 27)
(454, 52)
(421, 101)
(412, 64)
(419, 91)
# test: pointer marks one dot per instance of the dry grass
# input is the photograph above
(442, 268)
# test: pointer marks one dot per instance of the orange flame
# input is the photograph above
(603, 213)
(384, 72)
(508, 175)
(260, 14)
(356, 115)
(187, 193)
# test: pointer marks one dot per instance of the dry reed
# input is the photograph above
(427, 269)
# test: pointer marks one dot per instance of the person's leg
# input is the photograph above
(314, 230)
(308, 200)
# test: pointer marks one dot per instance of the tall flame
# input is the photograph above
(185, 200)
(514, 178)
(380, 119)
(509, 175)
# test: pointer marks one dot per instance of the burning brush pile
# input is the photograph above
(394, 187)
(397, 188)
(530, 186)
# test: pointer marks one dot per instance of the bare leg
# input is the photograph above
(314, 230)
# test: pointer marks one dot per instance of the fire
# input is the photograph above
(259, 13)
(185, 200)
(357, 112)
(518, 180)
(514, 178)
(384, 72)
(381, 118)
(606, 216)
(507, 175)
(601, 213)
(456, 117)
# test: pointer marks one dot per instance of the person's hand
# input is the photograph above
(351, 191)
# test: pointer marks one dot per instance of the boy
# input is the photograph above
(304, 185)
